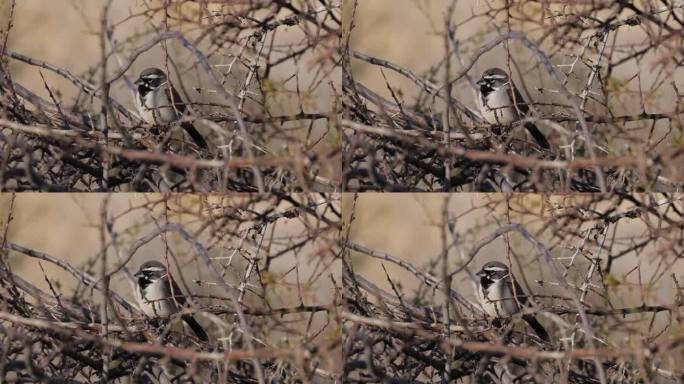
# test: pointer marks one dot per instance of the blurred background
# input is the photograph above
(295, 64)
(643, 248)
(66, 33)
(412, 34)
(295, 252)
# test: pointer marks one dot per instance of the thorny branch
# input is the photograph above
(269, 126)
(605, 80)
(625, 328)
(281, 329)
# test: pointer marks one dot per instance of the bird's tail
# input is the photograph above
(194, 134)
(538, 328)
(194, 325)
(538, 136)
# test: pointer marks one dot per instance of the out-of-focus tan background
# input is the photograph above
(66, 33)
(301, 268)
(411, 34)
(67, 226)
(410, 227)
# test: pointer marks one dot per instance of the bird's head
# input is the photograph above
(151, 78)
(493, 78)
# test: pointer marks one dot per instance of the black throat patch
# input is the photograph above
(485, 282)
(144, 89)
(144, 282)
(486, 89)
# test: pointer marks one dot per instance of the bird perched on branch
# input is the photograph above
(159, 103)
(158, 295)
(502, 104)
(497, 297)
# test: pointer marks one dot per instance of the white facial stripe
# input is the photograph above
(496, 78)
(496, 269)
(153, 77)
(154, 269)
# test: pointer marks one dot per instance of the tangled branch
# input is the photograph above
(259, 80)
(600, 78)
(261, 274)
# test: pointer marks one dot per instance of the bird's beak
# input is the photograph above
(481, 273)
(480, 82)
(138, 274)
(138, 82)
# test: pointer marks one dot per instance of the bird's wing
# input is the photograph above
(523, 109)
(175, 98)
(180, 108)
(519, 293)
(520, 103)
(177, 293)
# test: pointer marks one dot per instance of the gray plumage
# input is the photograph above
(501, 103)
(496, 296)
(159, 103)
(158, 295)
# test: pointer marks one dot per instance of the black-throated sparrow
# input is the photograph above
(501, 103)
(158, 295)
(496, 296)
(160, 103)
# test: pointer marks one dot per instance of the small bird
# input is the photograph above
(158, 295)
(501, 103)
(159, 102)
(496, 295)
